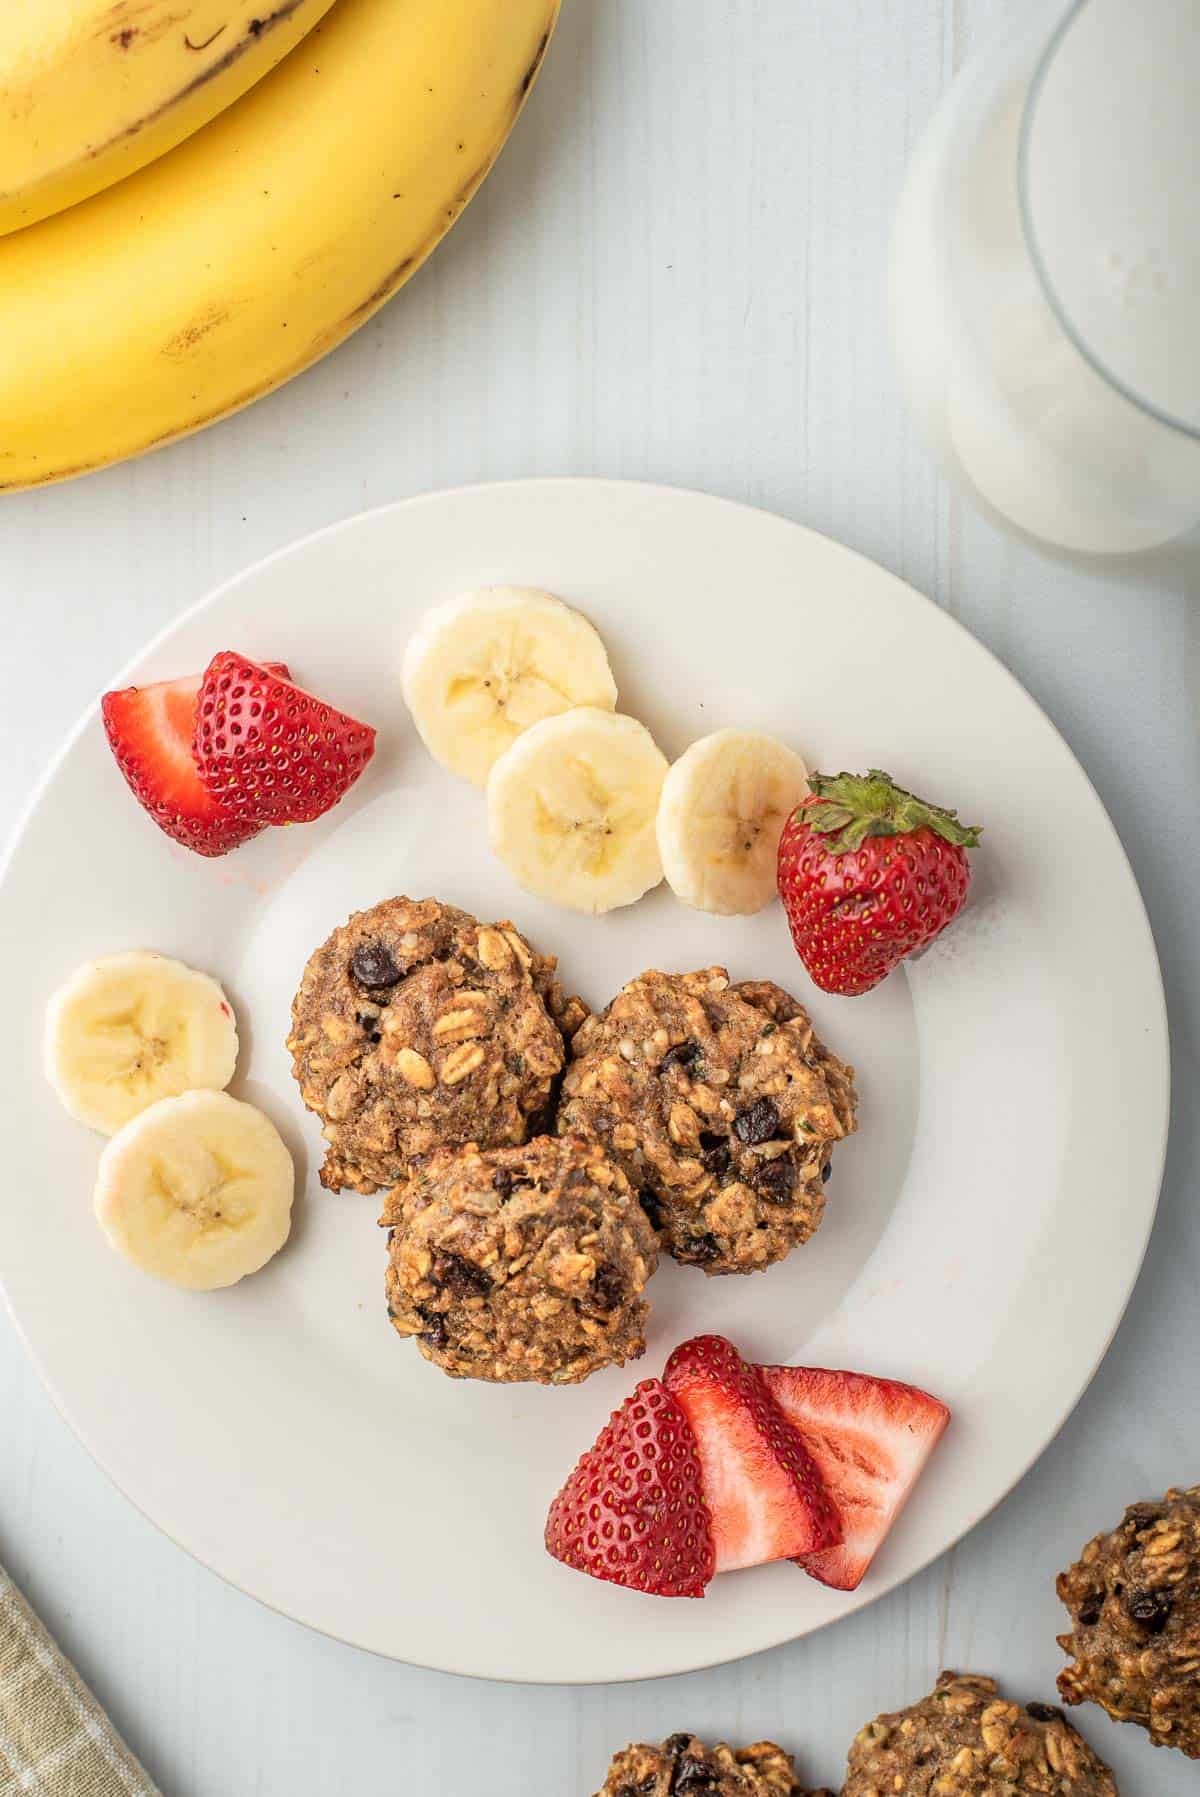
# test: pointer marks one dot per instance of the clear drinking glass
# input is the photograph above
(1045, 274)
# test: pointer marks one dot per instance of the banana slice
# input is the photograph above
(484, 667)
(196, 1190)
(720, 817)
(571, 809)
(129, 1029)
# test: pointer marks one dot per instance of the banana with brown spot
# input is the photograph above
(93, 90)
(228, 265)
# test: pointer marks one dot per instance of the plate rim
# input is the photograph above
(1155, 994)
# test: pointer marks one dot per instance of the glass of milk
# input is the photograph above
(1045, 274)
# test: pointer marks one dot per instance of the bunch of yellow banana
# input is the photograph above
(91, 90)
(198, 199)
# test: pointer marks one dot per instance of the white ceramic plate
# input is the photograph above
(983, 1229)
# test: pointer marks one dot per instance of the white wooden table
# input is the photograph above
(676, 274)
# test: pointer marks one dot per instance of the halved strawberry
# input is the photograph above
(270, 752)
(763, 1491)
(870, 1439)
(150, 731)
(633, 1511)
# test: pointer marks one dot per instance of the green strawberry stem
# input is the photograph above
(855, 806)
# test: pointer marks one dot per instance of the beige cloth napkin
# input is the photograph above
(55, 1740)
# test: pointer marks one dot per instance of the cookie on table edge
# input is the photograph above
(683, 1767)
(965, 1740)
(1134, 1600)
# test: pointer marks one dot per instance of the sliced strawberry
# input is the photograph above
(270, 752)
(150, 730)
(870, 1439)
(633, 1511)
(763, 1491)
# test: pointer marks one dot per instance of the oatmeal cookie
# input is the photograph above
(520, 1263)
(684, 1767)
(965, 1741)
(722, 1107)
(1134, 1599)
(415, 1028)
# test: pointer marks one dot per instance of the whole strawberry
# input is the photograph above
(868, 873)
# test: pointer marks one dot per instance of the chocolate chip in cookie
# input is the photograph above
(1150, 1609)
(460, 1276)
(757, 1123)
(372, 967)
(683, 1054)
(775, 1180)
